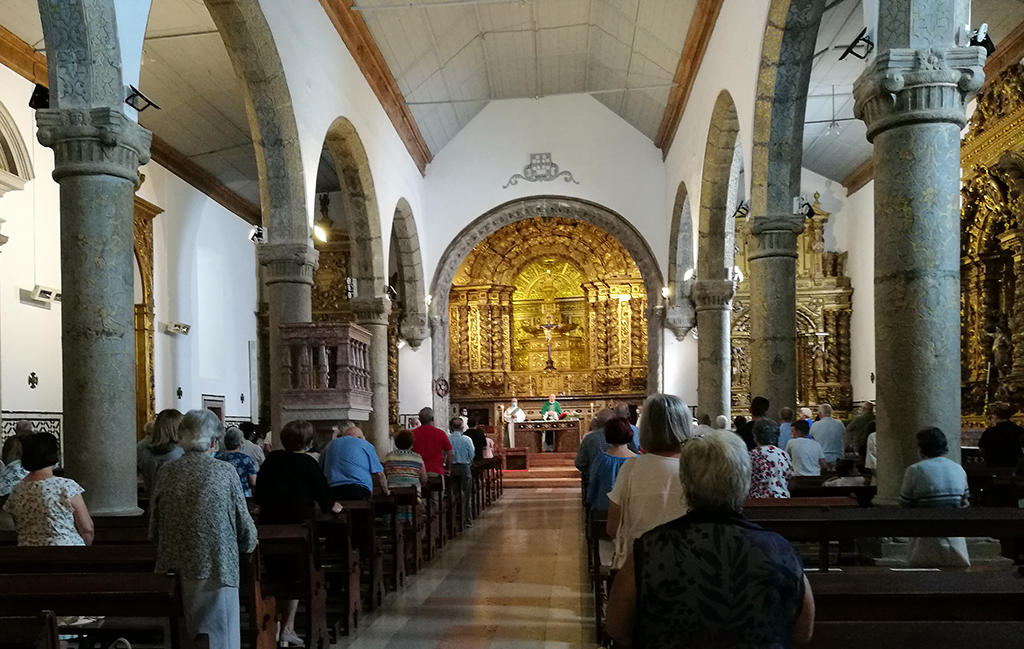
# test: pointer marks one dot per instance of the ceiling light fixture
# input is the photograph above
(833, 129)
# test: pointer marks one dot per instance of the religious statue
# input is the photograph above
(511, 416)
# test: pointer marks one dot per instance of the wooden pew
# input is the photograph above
(826, 524)
(391, 538)
(443, 506)
(117, 594)
(296, 544)
(342, 570)
(864, 494)
(29, 632)
(601, 573)
(904, 635)
(408, 501)
(364, 537)
(454, 520)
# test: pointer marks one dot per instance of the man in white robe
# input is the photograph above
(511, 416)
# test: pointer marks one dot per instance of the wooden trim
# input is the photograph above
(860, 176)
(356, 36)
(19, 56)
(697, 38)
(182, 167)
(1009, 51)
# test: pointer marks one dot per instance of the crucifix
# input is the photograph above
(549, 329)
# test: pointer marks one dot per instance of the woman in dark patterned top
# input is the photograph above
(712, 579)
(288, 486)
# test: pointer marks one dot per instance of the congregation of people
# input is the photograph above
(203, 483)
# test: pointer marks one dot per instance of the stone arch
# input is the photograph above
(268, 106)
(359, 206)
(15, 160)
(680, 316)
(718, 192)
(405, 253)
(541, 206)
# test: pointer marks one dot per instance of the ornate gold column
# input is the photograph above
(145, 388)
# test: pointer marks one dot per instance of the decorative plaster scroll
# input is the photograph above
(540, 169)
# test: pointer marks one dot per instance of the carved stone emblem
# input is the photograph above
(540, 169)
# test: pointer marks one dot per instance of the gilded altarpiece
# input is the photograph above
(823, 308)
(992, 249)
(555, 284)
(145, 326)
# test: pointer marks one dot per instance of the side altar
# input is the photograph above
(567, 432)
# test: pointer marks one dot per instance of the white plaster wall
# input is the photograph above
(854, 230)
(681, 367)
(204, 275)
(29, 335)
(616, 166)
(414, 378)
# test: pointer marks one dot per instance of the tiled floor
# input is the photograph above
(516, 580)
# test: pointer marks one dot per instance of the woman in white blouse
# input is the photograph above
(647, 491)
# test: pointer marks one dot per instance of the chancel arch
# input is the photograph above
(680, 317)
(714, 287)
(551, 226)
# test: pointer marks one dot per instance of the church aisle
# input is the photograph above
(517, 579)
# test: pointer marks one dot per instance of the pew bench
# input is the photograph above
(904, 635)
(29, 632)
(391, 537)
(342, 566)
(295, 547)
(364, 538)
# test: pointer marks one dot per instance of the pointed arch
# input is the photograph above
(681, 316)
(718, 191)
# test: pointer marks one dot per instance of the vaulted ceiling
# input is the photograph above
(450, 60)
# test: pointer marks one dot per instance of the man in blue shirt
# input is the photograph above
(462, 469)
(351, 467)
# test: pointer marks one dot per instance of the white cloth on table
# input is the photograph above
(211, 608)
(649, 494)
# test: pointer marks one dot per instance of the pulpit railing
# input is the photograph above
(325, 368)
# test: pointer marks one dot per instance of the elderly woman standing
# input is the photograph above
(160, 448)
(647, 492)
(711, 576)
(771, 467)
(200, 524)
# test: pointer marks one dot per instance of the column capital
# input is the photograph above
(414, 329)
(775, 235)
(291, 263)
(371, 310)
(908, 86)
(713, 294)
(93, 142)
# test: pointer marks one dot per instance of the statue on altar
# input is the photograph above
(511, 416)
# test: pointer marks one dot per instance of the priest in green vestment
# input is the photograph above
(550, 411)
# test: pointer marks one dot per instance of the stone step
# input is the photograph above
(545, 472)
(535, 482)
(552, 459)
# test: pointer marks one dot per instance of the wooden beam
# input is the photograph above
(356, 36)
(183, 167)
(19, 56)
(697, 38)
(860, 176)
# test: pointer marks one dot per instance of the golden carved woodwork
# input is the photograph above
(394, 318)
(330, 300)
(824, 305)
(145, 375)
(554, 272)
(992, 249)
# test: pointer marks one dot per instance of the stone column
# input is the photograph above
(97, 153)
(912, 97)
(372, 314)
(772, 262)
(655, 347)
(440, 364)
(713, 300)
(288, 278)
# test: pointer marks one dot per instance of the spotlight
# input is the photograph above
(392, 293)
(40, 97)
(862, 37)
(664, 292)
(139, 101)
(178, 328)
(319, 232)
(980, 38)
(742, 210)
(688, 275)
(258, 234)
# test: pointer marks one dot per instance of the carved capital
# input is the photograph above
(371, 310)
(93, 142)
(909, 86)
(681, 318)
(414, 330)
(713, 294)
(775, 235)
(291, 263)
